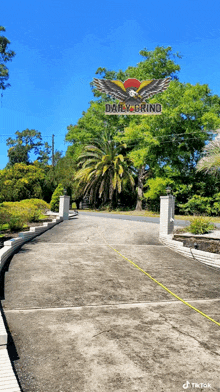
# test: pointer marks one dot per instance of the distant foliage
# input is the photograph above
(5, 56)
(156, 188)
(24, 143)
(197, 205)
(201, 205)
(55, 200)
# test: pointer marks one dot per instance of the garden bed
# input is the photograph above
(207, 243)
(7, 234)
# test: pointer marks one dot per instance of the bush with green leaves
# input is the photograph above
(216, 204)
(156, 188)
(20, 182)
(200, 225)
(37, 203)
(55, 200)
(16, 214)
(4, 216)
(34, 214)
(35, 207)
(197, 205)
(201, 205)
(16, 222)
(26, 204)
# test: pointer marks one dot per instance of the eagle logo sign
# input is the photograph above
(131, 94)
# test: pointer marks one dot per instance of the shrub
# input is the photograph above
(21, 181)
(16, 214)
(4, 216)
(216, 204)
(74, 206)
(55, 200)
(197, 205)
(34, 215)
(16, 222)
(18, 218)
(200, 225)
(37, 203)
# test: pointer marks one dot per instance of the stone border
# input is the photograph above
(211, 259)
(8, 380)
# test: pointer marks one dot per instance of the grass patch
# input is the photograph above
(132, 212)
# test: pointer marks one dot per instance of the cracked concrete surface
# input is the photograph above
(84, 319)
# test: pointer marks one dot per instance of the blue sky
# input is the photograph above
(60, 44)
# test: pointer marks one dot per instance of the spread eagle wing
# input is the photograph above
(115, 88)
(151, 87)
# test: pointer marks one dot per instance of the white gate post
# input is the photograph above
(167, 206)
(64, 207)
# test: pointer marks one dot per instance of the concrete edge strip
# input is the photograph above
(210, 259)
(8, 380)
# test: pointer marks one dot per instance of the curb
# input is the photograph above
(8, 380)
(211, 259)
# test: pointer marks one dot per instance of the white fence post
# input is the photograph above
(167, 207)
(64, 207)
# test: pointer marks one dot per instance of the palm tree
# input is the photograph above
(211, 161)
(104, 168)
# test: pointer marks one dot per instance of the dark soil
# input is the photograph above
(8, 235)
(206, 244)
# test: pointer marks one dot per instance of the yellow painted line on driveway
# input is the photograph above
(160, 284)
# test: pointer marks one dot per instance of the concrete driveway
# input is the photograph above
(84, 319)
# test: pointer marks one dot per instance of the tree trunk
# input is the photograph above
(140, 188)
(111, 192)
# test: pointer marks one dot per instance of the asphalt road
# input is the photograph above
(177, 222)
(129, 217)
(84, 319)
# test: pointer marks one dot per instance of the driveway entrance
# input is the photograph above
(84, 319)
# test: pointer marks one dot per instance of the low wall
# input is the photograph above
(8, 380)
(207, 258)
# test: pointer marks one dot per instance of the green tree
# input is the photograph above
(5, 56)
(25, 142)
(174, 139)
(156, 64)
(55, 200)
(20, 182)
(104, 166)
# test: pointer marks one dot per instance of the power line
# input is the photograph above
(171, 136)
(178, 134)
(3, 137)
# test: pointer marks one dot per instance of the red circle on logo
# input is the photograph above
(131, 83)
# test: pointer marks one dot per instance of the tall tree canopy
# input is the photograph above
(25, 142)
(163, 146)
(5, 56)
